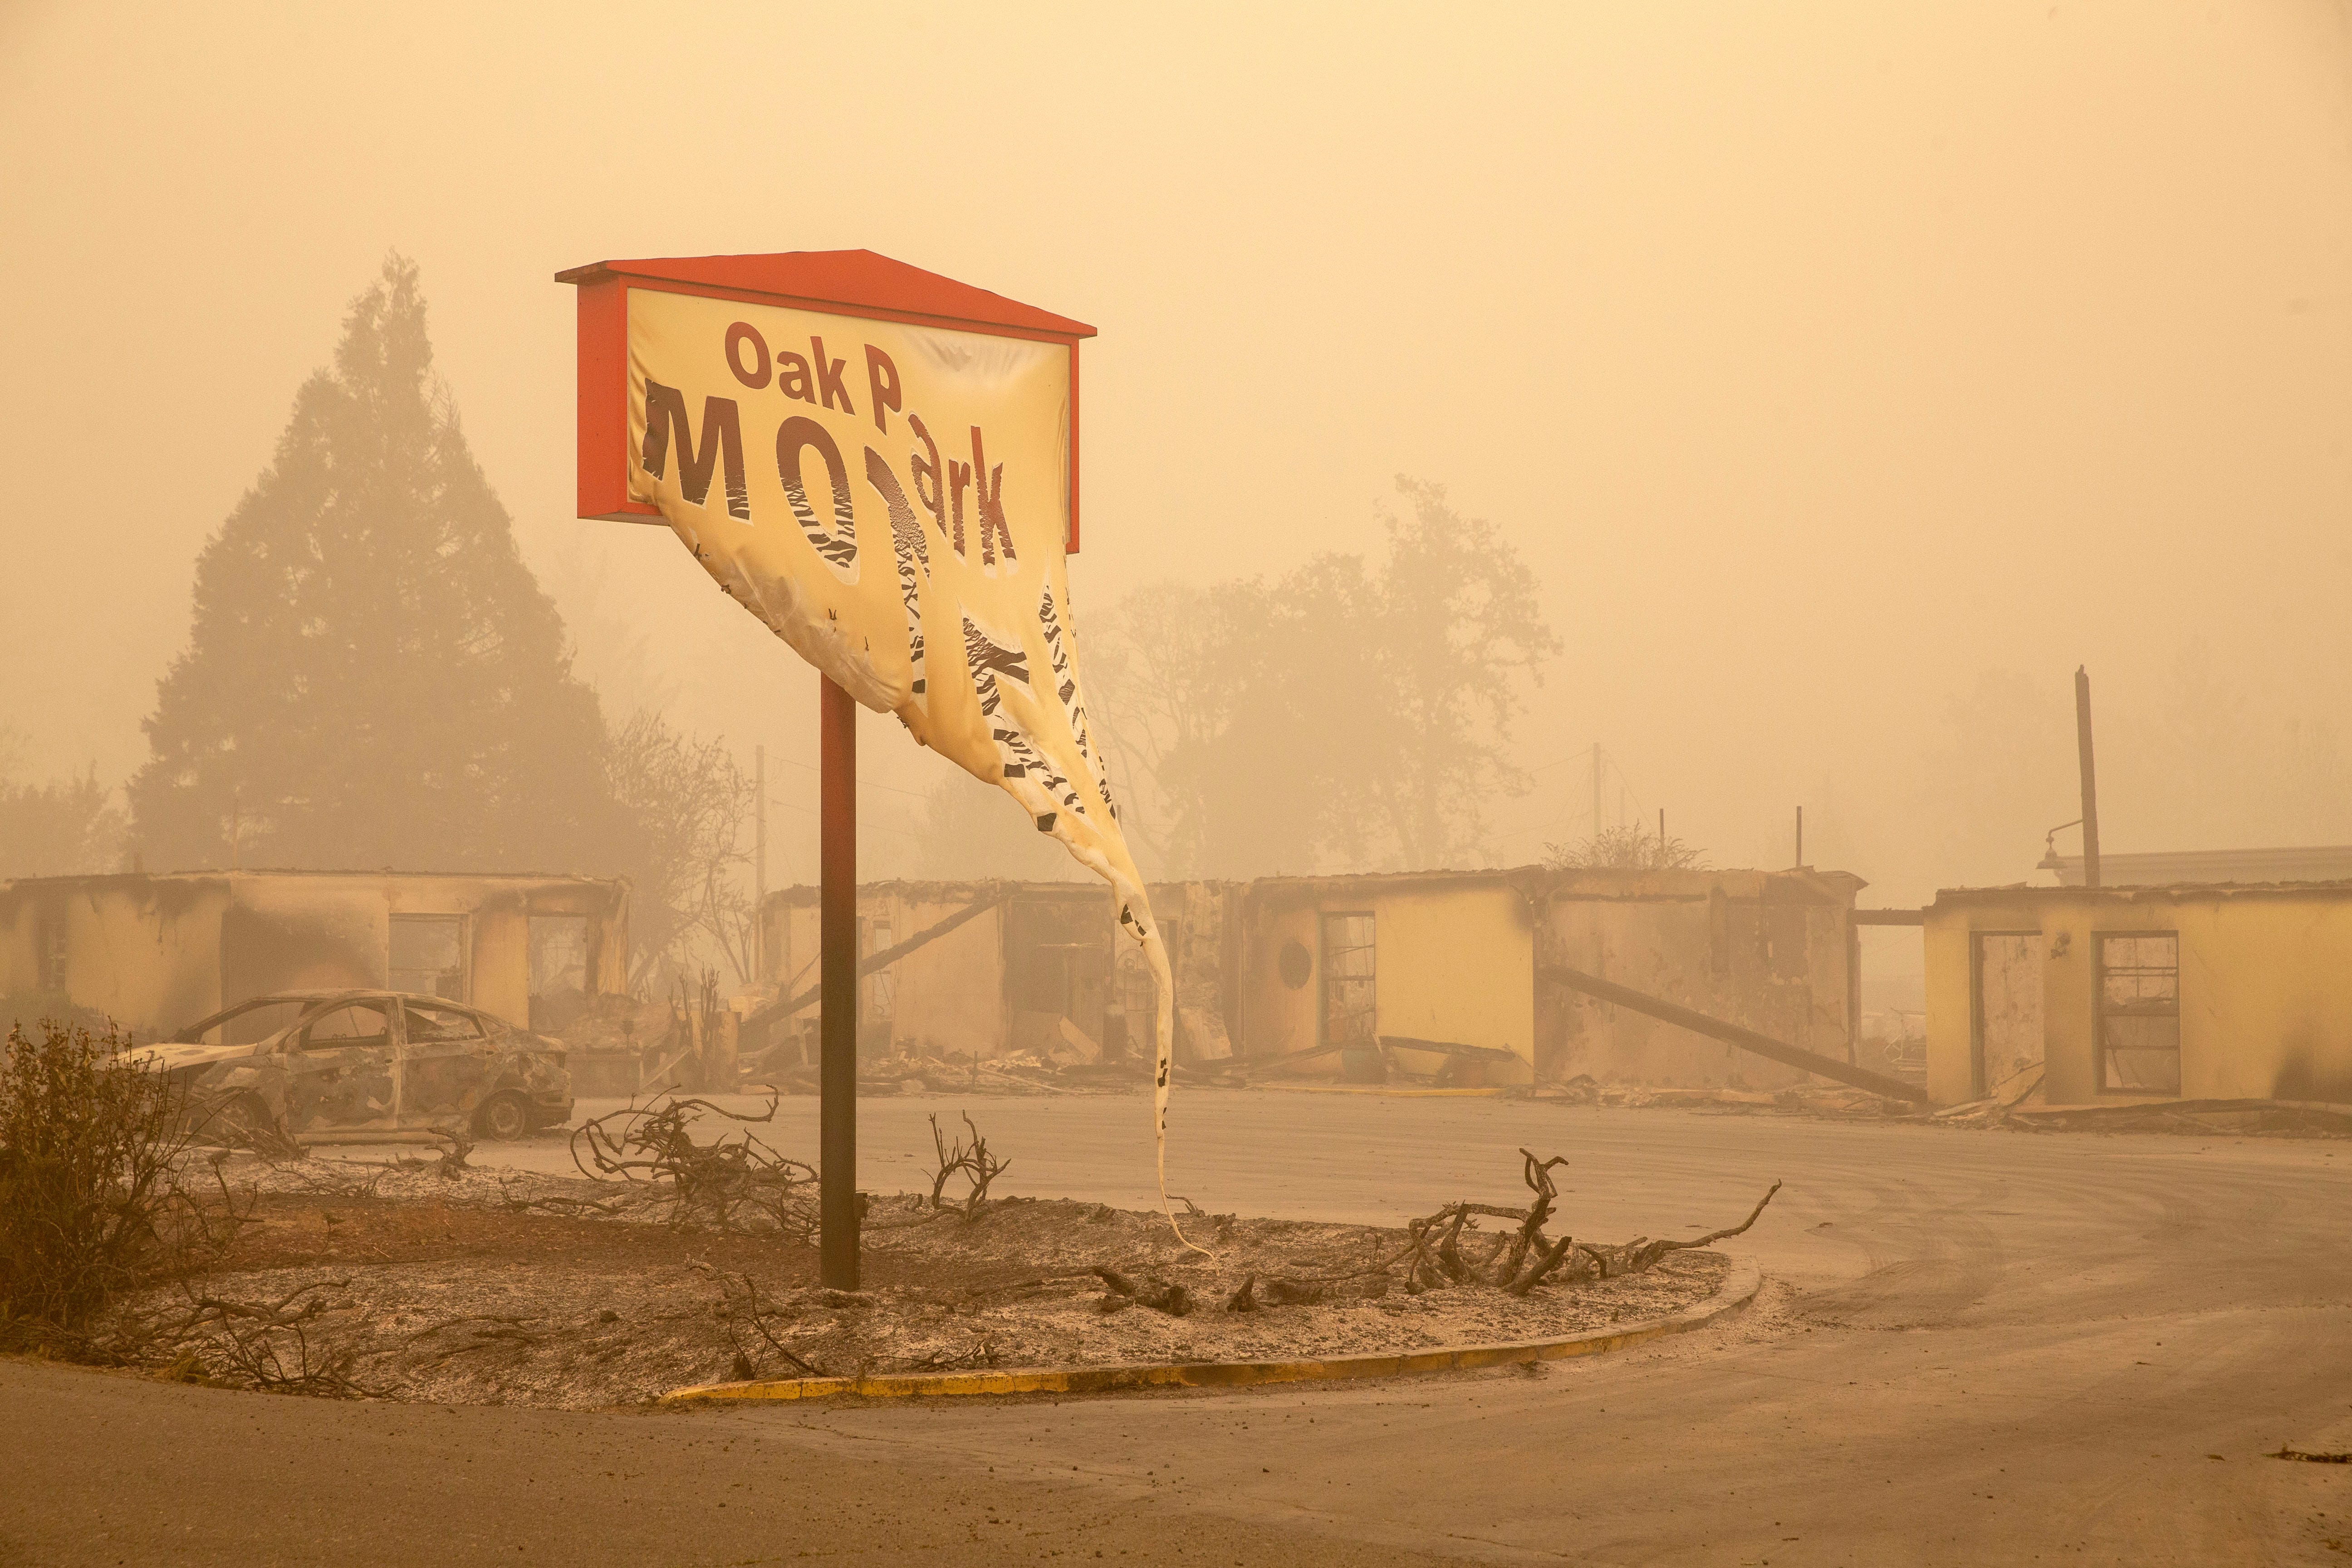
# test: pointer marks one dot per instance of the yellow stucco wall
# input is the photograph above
(2265, 1012)
(137, 948)
(1454, 959)
(1458, 965)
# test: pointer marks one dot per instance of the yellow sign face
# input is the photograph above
(892, 501)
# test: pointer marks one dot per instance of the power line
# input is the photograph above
(862, 823)
(869, 784)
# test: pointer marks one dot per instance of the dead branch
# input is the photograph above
(739, 1302)
(712, 1181)
(453, 1158)
(1155, 1293)
(570, 1208)
(264, 1345)
(1432, 1254)
(981, 1353)
(1530, 1237)
(980, 1167)
(1639, 1255)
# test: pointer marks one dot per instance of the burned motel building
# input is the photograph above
(156, 952)
(1441, 976)
(2156, 990)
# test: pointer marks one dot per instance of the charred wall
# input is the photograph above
(1768, 950)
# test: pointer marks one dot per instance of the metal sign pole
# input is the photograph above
(837, 1002)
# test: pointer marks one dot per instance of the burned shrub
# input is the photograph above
(96, 1194)
(724, 1183)
(974, 1159)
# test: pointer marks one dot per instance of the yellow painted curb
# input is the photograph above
(1480, 1093)
(1737, 1291)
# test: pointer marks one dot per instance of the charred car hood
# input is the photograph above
(168, 1057)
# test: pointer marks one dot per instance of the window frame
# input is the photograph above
(2101, 1011)
(297, 1041)
(53, 940)
(465, 924)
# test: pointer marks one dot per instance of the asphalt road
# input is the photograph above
(1972, 1348)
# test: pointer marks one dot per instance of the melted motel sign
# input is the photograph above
(882, 464)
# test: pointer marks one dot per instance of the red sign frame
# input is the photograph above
(839, 282)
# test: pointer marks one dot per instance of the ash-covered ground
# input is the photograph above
(499, 1287)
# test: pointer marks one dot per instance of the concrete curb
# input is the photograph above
(1492, 1091)
(1738, 1288)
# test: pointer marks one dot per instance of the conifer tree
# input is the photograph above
(374, 678)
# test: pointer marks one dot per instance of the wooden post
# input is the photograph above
(759, 866)
(837, 1001)
(2090, 778)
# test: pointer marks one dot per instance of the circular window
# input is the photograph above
(1296, 964)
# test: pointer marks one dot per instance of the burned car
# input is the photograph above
(328, 1065)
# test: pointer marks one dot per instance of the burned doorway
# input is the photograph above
(1351, 1006)
(878, 993)
(1058, 965)
(2005, 969)
(559, 971)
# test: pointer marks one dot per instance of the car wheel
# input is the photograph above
(232, 1122)
(504, 1117)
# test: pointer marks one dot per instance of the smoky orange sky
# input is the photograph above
(1820, 358)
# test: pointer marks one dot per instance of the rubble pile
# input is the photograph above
(1016, 1072)
(1809, 1100)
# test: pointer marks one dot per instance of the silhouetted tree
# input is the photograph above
(374, 678)
(690, 804)
(1625, 850)
(1349, 713)
(65, 827)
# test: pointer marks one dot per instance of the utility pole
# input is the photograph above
(759, 866)
(1596, 792)
(2090, 778)
(1801, 838)
(837, 996)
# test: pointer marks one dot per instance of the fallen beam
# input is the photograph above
(1733, 1035)
(777, 1012)
(1448, 1048)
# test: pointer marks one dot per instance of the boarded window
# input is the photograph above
(428, 955)
(2139, 1013)
(1349, 987)
(559, 969)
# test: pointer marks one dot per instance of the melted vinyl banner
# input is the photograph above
(892, 501)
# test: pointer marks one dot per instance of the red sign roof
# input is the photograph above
(853, 278)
